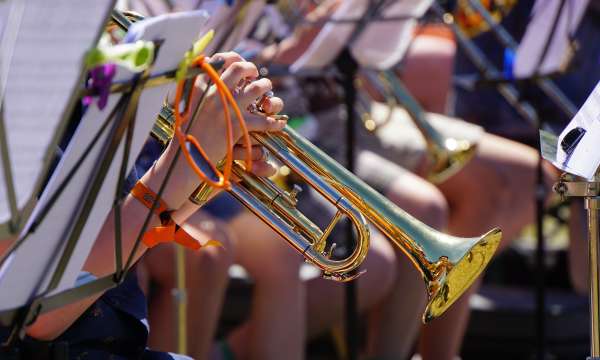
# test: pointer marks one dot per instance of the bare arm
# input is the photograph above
(210, 130)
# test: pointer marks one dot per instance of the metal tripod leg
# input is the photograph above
(592, 204)
(180, 300)
(568, 186)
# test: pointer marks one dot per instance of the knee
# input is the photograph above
(422, 200)
(385, 273)
(268, 258)
(159, 263)
(381, 275)
(278, 267)
(214, 259)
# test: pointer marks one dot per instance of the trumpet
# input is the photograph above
(473, 22)
(448, 264)
(447, 155)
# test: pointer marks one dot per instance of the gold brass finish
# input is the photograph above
(473, 23)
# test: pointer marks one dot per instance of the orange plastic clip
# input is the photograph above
(168, 231)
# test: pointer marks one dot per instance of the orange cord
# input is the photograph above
(227, 99)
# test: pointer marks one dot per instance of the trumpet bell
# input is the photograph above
(452, 279)
(450, 159)
(448, 264)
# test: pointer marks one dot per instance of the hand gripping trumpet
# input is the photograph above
(448, 264)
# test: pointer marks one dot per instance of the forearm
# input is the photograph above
(101, 261)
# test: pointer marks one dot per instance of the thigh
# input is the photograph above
(158, 264)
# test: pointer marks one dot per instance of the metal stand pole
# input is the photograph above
(592, 205)
(590, 190)
(180, 300)
(540, 263)
(349, 68)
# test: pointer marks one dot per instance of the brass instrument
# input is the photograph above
(473, 22)
(449, 265)
(447, 155)
(277, 208)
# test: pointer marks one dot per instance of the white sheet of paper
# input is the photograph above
(43, 70)
(585, 159)
(382, 52)
(30, 260)
(380, 46)
(251, 10)
(220, 20)
(539, 30)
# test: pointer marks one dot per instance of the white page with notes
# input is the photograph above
(381, 45)
(40, 60)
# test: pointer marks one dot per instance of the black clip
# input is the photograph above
(570, 141)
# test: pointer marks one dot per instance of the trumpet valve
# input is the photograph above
(293, 194)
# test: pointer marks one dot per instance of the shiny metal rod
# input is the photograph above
(590, 191)
(180, 300)
(592, 205)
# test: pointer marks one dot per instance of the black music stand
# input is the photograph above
(575, 152)
(88, 164)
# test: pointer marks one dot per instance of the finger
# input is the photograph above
(261, 123)
(257, 153)
(253, 142)
(264, 169)
(254, 91)
(237, 72)
(228, 58)
(273, 105)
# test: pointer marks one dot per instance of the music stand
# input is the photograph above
(575, 152)
(344, 42)
(33, 50)
(59, 235)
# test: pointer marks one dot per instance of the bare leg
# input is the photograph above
(501, 185)
(206, 277)
(276, 326)
(325, 298)
(429, 58)
(494, 189)
(392, 291)
(400, 312)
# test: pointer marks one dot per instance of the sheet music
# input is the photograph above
(382, 52)
(380, 46)
(584, 160)
(248, 15)
(43, 70)
(539, 30)
(4, 12)
(219, 14)
(179, 31)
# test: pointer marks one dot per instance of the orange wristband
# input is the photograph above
(168, 231)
